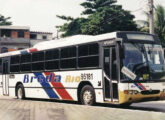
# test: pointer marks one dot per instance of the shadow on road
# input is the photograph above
(142, 107)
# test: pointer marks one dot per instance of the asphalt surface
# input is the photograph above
(35, 109)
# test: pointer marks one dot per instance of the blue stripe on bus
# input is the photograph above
(138, 86)
(24, 52)
(48, 89)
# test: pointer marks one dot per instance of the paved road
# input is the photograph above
(30, 109)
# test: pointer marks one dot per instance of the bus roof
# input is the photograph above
(68, 41)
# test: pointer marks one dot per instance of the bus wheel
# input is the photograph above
(87, 95)
(20, 92)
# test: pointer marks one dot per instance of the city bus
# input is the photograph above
(114, 68)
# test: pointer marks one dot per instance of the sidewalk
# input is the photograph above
(13, 109)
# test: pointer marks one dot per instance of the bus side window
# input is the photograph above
(52, 59)
(26, 62)
(68, 58)
(38, 61)
(114, 64)
(88, 55)
(15, 64)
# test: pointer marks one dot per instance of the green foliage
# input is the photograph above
(65, 18)
(72, 28)
(160, 22)
(4, 21)
(103, 16)
(92, 6)
(108, 20)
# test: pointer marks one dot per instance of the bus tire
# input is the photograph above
(87, 95)
(20, 92)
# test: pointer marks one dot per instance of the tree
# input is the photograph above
(4, 20)
(73, 27)
(108, 19)
(160, 22)
(102, 16)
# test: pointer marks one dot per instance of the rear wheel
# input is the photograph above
(20, 92)
(87, 95)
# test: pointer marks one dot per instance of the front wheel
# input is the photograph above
(87, 95)
(20, 92)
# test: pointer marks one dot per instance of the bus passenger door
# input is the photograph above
(110, 74)
(5, 77)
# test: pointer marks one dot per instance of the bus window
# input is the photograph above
(68, 63)
(38, 56)
(15, 59)
(88, 55)
(37, 61)
(38, 66)
(68, 52)
(114, 64)
(15, 64)
(26, 58)
(52, 54)
(68, 58)
(50, 65)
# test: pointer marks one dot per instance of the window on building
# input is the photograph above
(33, 36)
(44, 37)
(4, 49)
(21, 34)
(5, 33)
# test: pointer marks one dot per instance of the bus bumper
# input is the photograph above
(139, 97)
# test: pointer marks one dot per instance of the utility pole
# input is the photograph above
(151, 16)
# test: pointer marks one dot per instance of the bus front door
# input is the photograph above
(110, 74)
(5, 77)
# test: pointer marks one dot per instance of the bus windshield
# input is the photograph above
(145, 61)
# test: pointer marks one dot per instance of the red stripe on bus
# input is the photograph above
(142, 86)
(59, 88)
(33, 50)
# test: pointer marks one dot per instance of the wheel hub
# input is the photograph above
(20, 93)
(87, 97)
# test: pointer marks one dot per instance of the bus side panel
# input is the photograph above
(57, 85)
(1, 88)
(33, 87)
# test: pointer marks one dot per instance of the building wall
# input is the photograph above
(20, 38)
(12, 41)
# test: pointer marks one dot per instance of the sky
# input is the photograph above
(40, 15)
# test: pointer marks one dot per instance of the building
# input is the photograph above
(20, 37)
(36, 37)
(13, 38)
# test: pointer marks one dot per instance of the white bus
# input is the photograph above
(116, 68)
